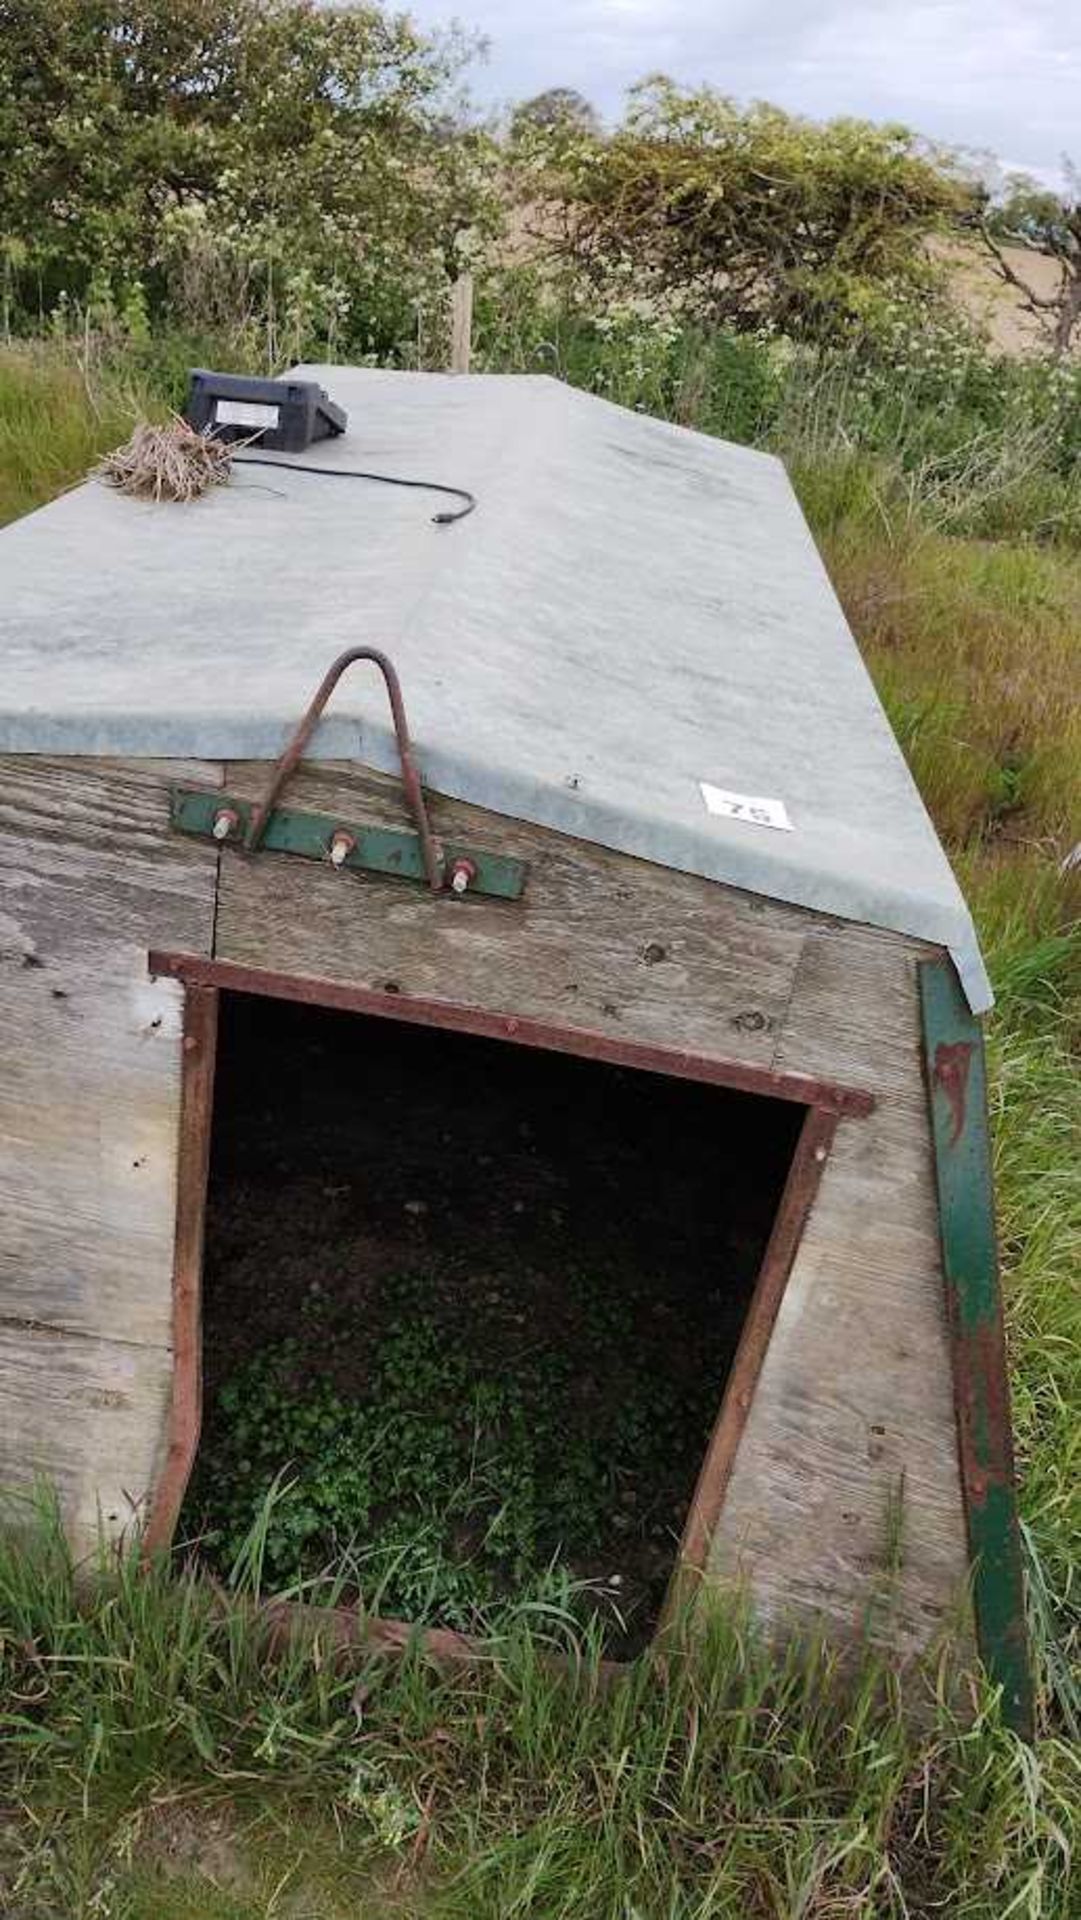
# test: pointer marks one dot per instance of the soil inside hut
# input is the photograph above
(475, 1305)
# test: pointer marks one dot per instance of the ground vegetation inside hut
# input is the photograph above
(469, 1309)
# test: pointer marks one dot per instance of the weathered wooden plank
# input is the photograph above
(88, 1098)
(854, 1005)
(87, 1416)
(599, 941)
(845, 1501)
(90, 877)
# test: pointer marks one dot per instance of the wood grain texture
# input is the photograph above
(801, 1187)
(600, 940)
(90, 877)
(87, 1416)
(852, 1428)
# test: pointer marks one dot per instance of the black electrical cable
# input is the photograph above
(385, 479)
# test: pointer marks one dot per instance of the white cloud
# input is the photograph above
(1004, 74)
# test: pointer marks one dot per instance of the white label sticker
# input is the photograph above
(245, 413)
(745, 806)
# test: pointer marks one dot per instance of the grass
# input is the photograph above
(63, 405)
(162, 1763)
(154, 1761)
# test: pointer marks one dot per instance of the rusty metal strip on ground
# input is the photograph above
(956, 1081)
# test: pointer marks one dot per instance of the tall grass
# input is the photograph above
(148, 1715)
(64, 403)
(54, 424)
(925, 422)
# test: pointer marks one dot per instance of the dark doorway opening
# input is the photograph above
(476, 1305)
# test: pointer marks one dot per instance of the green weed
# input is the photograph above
(454, 1480)
(157, 1743)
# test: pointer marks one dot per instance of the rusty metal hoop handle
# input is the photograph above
(414, 792)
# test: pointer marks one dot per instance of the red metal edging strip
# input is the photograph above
(185, 1409)
(481, 1022)
(957, 1094)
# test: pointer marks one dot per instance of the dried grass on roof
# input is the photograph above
(172, 462)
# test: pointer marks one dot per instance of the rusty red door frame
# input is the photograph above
(826, 1104)
(198, 1061)
(460, 1017)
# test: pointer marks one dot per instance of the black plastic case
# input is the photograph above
(284, 416)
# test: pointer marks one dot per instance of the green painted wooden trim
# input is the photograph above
(377, 850)
(957, 1092)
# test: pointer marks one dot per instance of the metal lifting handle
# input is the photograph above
(414, 792)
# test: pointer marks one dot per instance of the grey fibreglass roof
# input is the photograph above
(633, 609)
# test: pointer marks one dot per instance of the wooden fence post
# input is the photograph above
(461, 323)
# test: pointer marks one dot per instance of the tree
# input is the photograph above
(556, 107)
(1045, 223)
(280, 144)
(745, 215)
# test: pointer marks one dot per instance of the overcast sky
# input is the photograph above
(1003, 74)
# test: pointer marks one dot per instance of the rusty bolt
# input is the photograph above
(226, 821)
(341, 846)
(462, 875)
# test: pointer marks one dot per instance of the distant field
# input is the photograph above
(991, 302)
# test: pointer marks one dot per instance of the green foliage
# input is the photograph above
(745, 216)
(239, 161)
(454, 1483)
(53, 426)
(922, 420)
(562, 108)
(161, 1753)
(1034, 214)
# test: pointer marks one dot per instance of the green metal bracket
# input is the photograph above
(199, 810)
(957, 1092)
